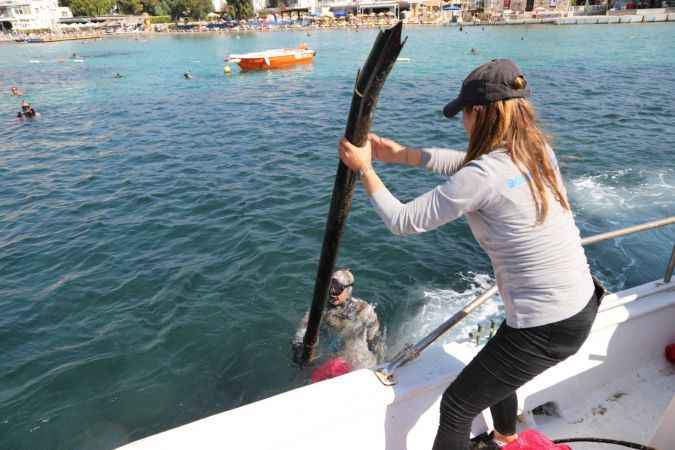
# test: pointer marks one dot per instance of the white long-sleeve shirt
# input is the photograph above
(541, 269)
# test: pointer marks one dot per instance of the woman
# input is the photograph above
(509, 187)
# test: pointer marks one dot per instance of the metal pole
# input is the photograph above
(369, 82)
(409, 352)
(630, 230)
(669, 268)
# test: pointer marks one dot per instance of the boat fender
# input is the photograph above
(534, 440)
(331, 369)
(670, 353)
(227, 70)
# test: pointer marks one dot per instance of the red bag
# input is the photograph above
(534, 440)
(331, 369)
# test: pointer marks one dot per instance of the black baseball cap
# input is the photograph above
(488, 83)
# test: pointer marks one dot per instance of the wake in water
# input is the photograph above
(438, 305)
(613, 193)
(616, 199)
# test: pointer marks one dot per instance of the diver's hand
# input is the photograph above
(356, 158)
(387, 150)
(296, 349)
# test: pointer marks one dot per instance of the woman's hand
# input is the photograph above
(356, 158)
(387, 150)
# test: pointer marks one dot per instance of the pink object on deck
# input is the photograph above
(670, 353)
(534, 440)
(331, 369)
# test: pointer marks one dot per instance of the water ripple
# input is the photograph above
(159, 237)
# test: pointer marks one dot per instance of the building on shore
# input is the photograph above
(494, 8)
(336, 8)
(26, 15)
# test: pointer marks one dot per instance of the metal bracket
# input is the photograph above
(387, 379)
(669, 268)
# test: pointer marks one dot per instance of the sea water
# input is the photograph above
(160, 236)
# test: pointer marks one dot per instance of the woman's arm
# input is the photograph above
(442, 161)
(391, 152)
(468, 190)
(439, 160)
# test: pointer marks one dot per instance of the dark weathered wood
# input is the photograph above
(369, 82)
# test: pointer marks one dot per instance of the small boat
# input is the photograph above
(273, 59)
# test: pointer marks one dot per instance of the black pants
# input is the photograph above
(509, 360)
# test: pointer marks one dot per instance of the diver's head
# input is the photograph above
(340, 288)
(25, 105)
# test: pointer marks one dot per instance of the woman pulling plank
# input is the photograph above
(509, 187)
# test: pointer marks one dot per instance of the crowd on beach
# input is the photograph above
(269, 23)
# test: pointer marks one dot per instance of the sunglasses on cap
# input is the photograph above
(335, 288)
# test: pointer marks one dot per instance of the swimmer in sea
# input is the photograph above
(27, 111)
(473, 51)
(349, 324)
(15, 91)
(117, 75)
(187, 75)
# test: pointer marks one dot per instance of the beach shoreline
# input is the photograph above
(612, 17)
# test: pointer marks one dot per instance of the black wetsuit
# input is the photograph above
(29, 113)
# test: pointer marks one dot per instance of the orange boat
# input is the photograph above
(273, 59)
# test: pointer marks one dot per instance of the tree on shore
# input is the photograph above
(278, 3)
(91, 7)
(241, 9)
(194, 9)
(153, 7)
(133, 7)
(199, 9)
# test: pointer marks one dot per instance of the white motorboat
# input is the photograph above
(618, 386)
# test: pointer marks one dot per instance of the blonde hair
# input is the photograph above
(512, 124)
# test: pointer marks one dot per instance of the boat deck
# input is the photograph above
(617, 386)
(628, 408)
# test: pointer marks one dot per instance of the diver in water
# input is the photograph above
(349, 324)
(27, 111)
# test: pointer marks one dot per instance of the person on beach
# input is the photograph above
(27, 111)
(510, 189)
(350, 325)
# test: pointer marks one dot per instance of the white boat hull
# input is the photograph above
(356, 411)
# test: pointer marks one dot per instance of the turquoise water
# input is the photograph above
(160, 237)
